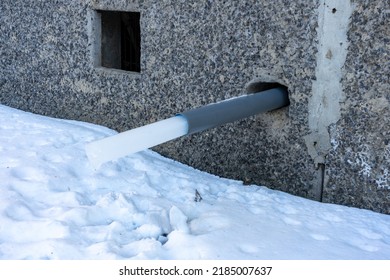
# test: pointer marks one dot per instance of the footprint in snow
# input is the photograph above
(178, 220)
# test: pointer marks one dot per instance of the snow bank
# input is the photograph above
(54, 205)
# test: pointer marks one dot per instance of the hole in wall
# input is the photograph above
(262, 86)
(120, 40)
(255, 87)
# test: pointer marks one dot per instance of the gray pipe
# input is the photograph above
(234, 109)
(189, 122)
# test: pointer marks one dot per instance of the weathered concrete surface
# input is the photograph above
(327, 93)
(197, 52)
(205, 51)
(47, 66)
(358, 166)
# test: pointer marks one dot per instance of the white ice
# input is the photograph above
(54, 205)
(135, 140)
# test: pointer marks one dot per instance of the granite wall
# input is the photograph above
(330, 144)
(358, 165)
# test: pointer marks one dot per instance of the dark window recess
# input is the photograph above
(121, 40)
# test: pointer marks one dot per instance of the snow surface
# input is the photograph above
(54, 205)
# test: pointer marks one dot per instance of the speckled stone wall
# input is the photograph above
(202, 51)
(46, 65)
(206, 51)
(358, 166)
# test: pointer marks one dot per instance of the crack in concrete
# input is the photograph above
(327, 94)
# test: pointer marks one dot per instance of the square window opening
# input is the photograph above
(120, 40)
